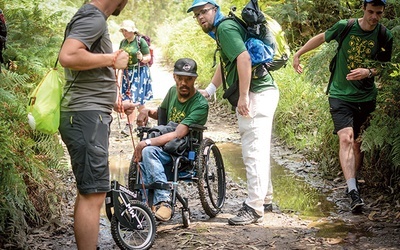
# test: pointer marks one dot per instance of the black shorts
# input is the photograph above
(350, 114)
(86, 135)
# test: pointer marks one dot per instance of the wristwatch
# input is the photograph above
(148, 142)
(370, 73)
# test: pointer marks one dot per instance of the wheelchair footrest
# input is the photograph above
(159, 185)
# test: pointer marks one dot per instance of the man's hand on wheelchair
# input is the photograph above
(142, 118)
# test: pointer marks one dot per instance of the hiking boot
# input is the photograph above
(268, 207)
(163, 211)
(356, 202)
(245, 216)
(126, 131)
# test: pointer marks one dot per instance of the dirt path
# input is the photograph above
(377, 228)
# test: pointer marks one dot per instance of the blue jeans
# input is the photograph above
(152, 167)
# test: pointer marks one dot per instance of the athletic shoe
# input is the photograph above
(356, 202)
(245, 216)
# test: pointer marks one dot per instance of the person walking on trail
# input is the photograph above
(184, 105)
(352, 93)
(259, 96)
(136, 81)
(86, 110)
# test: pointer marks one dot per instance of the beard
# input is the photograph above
(119, 8)
(185, 93)
(207, 28)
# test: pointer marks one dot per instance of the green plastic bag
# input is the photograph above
(44, 103)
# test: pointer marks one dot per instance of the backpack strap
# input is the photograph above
(138, 42)
(382, 40)
(345, 32)
(342, 35)
(231, 16)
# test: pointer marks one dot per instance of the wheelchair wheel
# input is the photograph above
(129, 238)
(211, 174)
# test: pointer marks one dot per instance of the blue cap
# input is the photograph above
(197, 3)
(370, 1)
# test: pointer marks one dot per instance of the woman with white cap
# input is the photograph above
(136, 81)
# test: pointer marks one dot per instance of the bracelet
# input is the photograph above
(211, 89)
(115, 57)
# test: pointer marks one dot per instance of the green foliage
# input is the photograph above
(35, 32)
(201, 52)
(35, 35)
(23, 170)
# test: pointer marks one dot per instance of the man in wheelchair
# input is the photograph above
(184, 105)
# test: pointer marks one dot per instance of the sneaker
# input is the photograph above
(246, 215)
(126, 131)
(268, 207)
(163, 211)
(356, 202)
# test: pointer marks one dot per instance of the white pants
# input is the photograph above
(255, 131)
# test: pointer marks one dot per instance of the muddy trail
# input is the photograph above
(331, 225)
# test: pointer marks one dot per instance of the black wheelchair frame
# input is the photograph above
(129, 210)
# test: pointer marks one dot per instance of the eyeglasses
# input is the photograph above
(370, 1)
(202, 12)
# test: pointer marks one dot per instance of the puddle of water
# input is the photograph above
(119, 169)
(291, 193)
(337, 228)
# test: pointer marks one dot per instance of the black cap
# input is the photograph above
(185, 67)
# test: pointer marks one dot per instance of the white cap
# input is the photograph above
(129, 26)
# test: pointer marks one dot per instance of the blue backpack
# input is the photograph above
(266, 41)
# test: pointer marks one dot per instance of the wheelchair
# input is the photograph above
(133, 223)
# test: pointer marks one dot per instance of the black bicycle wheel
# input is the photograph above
(142, 238)
(211, 174)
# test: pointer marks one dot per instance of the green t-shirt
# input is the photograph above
(192, 111)
(357, 47)
(231, 37)
(132, 48)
